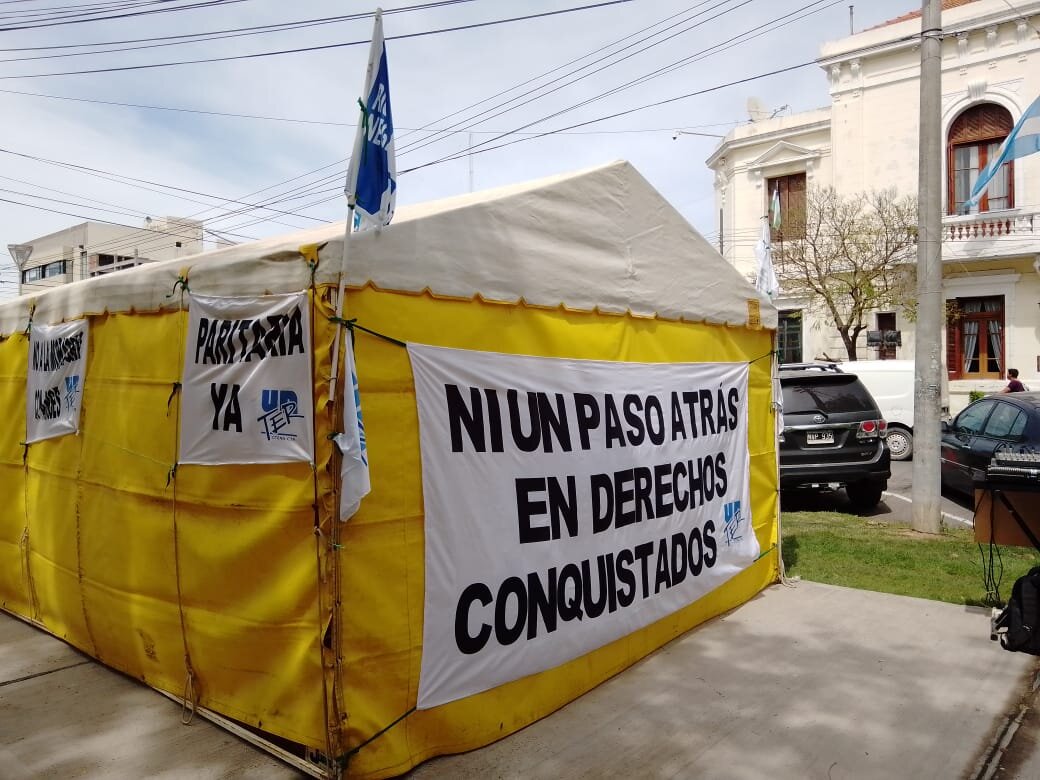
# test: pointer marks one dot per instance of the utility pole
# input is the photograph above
(927, 512)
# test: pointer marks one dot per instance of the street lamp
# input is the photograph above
(677, 133)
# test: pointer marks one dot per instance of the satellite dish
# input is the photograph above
(756, 109)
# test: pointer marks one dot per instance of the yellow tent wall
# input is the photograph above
(157, 571)
(382, 555)
(233, 585)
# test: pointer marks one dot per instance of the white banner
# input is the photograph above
(246, 394)
(54, 391)
(569, 503)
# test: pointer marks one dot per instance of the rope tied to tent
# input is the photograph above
(171, 474)
(169, 401)
(770, 353)
(352, 325)
(190, 701)
(309, 252)
(345, 758)
(25, 546)
(28, 325)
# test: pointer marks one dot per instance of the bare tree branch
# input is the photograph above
(856, 257)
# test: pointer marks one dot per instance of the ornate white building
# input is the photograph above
(867, 139)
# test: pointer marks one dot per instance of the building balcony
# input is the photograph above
(991, 234)
(112, 267)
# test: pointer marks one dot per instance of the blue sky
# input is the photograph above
(431, 77)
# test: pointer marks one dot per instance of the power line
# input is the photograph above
(83, 18)
(473, 150)
(231, 115)
(136, 181)
(338, 173)
(711, 50)
(251, 206)
(429, 164)
(325, 47)
(68, 11)
(213, 35)
(429, 140)
(460, 155)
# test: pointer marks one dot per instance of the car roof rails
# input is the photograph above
(811, 367)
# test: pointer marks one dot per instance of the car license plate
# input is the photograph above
(819, 437)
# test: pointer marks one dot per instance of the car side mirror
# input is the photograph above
(946, 426)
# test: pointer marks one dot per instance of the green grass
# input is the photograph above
(859, 552)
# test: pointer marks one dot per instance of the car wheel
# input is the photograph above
(864, 495)
(900, 443)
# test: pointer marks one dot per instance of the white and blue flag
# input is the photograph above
(372, 176)
(766, 283)
(355, 482)
(1023, 139)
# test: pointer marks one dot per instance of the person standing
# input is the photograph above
(1013, 385)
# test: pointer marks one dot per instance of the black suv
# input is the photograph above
(833, 434)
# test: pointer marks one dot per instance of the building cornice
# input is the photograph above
(950, 30)
(730, 145)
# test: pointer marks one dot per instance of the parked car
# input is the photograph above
(834, 434)
(891, 384)
(1007, 421)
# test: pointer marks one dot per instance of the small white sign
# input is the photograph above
(246, 393)
(569, 503)
(54, 390)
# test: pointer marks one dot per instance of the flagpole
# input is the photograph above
(349, 228)
(375, 53)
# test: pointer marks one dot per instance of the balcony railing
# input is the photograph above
(990, 224)
(992, 233)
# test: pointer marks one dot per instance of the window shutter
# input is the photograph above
(953, 350)
(981, 123)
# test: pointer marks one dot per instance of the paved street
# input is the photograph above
(894, 506)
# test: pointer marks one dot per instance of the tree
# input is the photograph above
(856, 256)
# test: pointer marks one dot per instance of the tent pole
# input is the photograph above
(339, 302)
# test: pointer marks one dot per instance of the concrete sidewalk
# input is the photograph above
(63, 715)
(811, 681)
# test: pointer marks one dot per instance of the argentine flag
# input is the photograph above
(1023, 139)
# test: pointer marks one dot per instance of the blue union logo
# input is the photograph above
(733, 530)
(71, 391)
(280, 408)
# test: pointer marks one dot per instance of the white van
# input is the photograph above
(891, 382)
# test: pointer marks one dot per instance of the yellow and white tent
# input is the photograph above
(234, 585)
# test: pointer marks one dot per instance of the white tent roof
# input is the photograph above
(601, 239)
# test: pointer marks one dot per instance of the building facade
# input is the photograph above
(867, 140)
(96, 248)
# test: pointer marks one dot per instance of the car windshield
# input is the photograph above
(836, 394)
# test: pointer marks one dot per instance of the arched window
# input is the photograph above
(975, 136)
